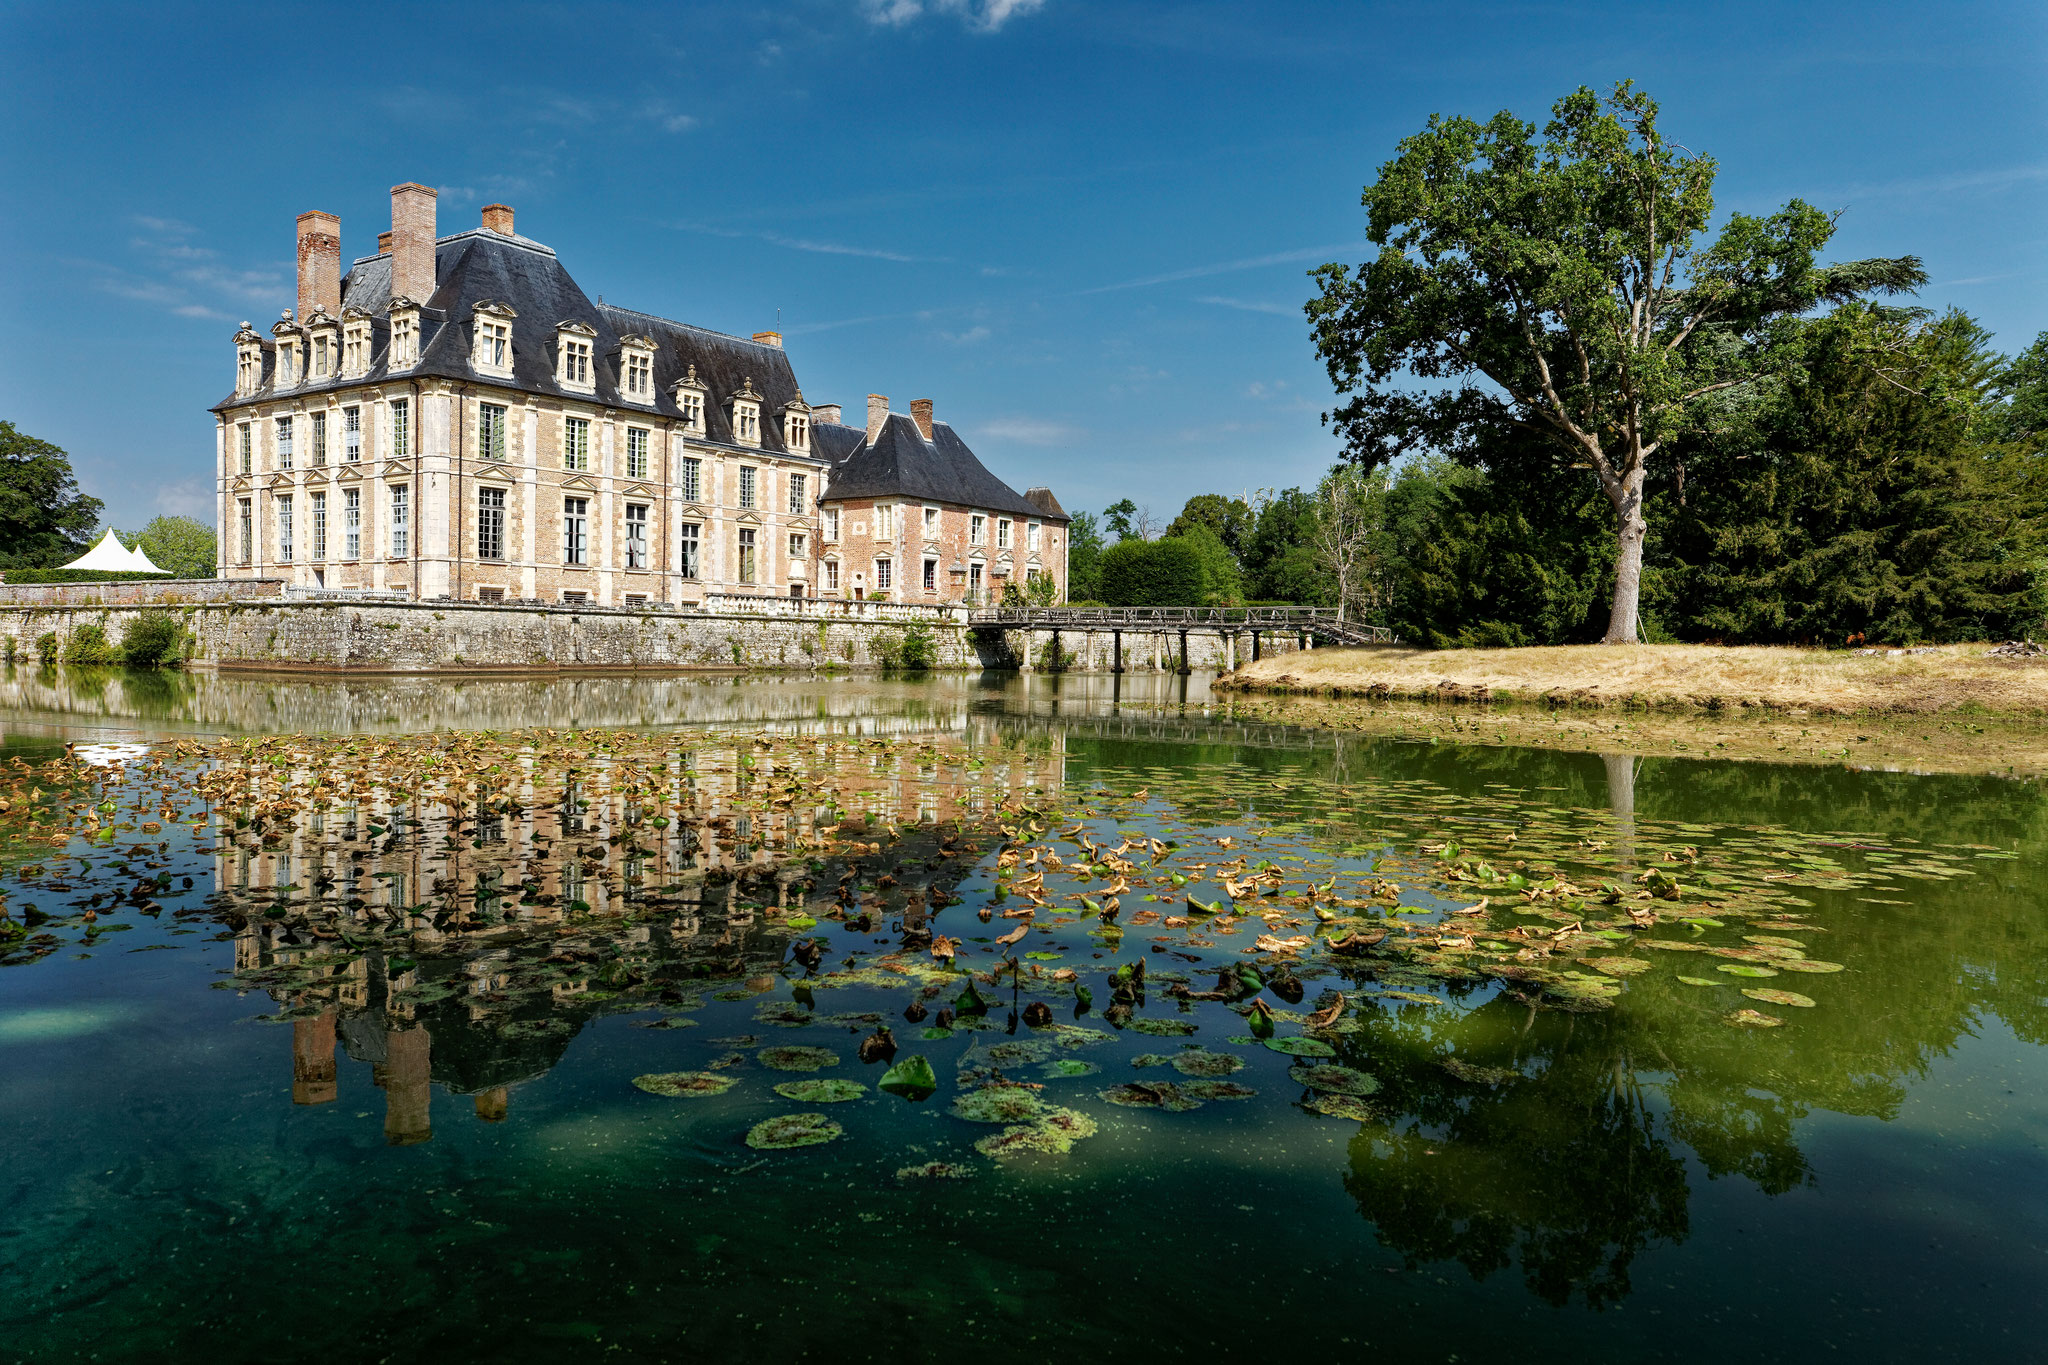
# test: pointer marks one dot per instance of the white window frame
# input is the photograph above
(352, 434)
(636, 535)
(691, 405)
(575, 361)
(319, 510)
(319, 433)
(748, 558)
(404, 350)
(638, 441)
(401, 428)
(492, 422)
(796, 430)
(245, 512)
(284, 528)
(885, 521)
(799, 494)
(885, 574)
(351, 523)
(690, 549)
(831, 525)
(749, 486)
(401, 520)
(746, 422)
(490, 523)
(575, 530)
(1031, 529)
(799, 545)
(245, 447)
(692, 482)
(931, 523)
(491, 340)
(576, 443)
(1002, 533)
(283, 437)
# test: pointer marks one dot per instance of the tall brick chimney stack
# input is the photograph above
(412, 241)
(498, 218)
(827, 412)
(384, 243)
(878, 413)
(769, 338)
(319, 263)
(921, 413)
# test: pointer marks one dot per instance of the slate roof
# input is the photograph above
(902, 463)
(478, 265)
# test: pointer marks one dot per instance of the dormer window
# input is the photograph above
(404, 352)
(248, 361)
(689, 394)
(796, 424)
(289, 338)
(573, 368)
(355, 343)
(636, 369)
(746, 415)
(321, 364)
(492, 348)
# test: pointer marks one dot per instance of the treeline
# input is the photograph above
(46, 522)
(1890, 484)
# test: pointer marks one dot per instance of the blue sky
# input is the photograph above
(1081, 226)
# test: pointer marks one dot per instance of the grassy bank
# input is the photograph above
(1958, 679)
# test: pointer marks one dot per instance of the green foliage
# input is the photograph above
(46, 647)
(1230, 519)
(80, 576)
(1560, 282)
(182, 546)
(1120, 517)
(44, 519)
(1154, 573)
(155, 639)
(1042, 590)
(912, 649)
(1084, 557)
(89, 644)
(1222, 584)
(2021, 411)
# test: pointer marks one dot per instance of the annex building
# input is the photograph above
(454, 418)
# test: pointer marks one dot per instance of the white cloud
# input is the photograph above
(192, 498)
(1252, 306)
(1029, 431)
(1195, 272)
(968, 337)
(979, 16)
(814, 245)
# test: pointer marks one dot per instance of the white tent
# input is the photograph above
(110, 557)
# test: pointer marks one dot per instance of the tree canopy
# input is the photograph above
(45, 522)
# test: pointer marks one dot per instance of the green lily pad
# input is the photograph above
(1337, 1080)
(672, 1021)
(1744, 969)
(1019, 1053)
(1163, 1028)
(691, 1084)
(796, 1058)
(1753, 1019)
(1700, 981)
(825, 1091)
(792, 1130)
(1217, 1090)
(999, 1104)
(912, 1078)
(934, 1033)
(1054, 1133)
(1145, 1059)
(1152, 1095)
(1339, 1107)
(1621, 966)
(1203, 1063)
(1067, 1068)
(1301, 1047)
(1774, 997)
(1807, 964)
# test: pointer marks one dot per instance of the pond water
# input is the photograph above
(538, 1021)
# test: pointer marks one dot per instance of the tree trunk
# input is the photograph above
(1630, 527)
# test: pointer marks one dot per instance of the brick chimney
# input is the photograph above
(319, 263)
(498, 218)
(878, 413)
(384, 243)
(921, 413)
(769, 338)
(412, 241)
(829, 413)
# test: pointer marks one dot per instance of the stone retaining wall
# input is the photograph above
(419, 637)
(129, 592)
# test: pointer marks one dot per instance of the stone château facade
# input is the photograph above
(454, 418)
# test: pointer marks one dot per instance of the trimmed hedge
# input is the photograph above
(1153, 573)
(80, 576)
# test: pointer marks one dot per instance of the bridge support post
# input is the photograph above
(1053, 658)
(1255, 646)
(1184, 668)
(1229, 650)
(1116, 651)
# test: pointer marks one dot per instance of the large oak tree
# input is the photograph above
(1566, 284)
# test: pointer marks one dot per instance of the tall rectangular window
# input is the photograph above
(689, 537)
(746, 554)
(490, 523)
(799, 545)
(1031, 536)
(885, 522)
(883, 571)
(401, 523)
(245, 448)
(636, 452)
(692, 407)
(490, 431)
(575, 530)
(931, 575)
(319, 526)
(319, 440)
(832, 575)
(401, 428)
(351, 523)
(352, 435)
(747, 473)
(693, 479)
(931, 523)
(977, 529)
(639, 375)
(798, 484)
(636, 535)
(1002, 533)
(284, 528)
(246, 526)
(575, 443)
(494, 344)
(284, 443)
(832, 523)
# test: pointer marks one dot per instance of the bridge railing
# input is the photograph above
(1321, 621)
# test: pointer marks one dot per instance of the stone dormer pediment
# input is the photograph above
(351, 313)
(401, 304)
(577, 329)
(579, 484)
(285, 328)
(493, 308)
(392, 467)
(637, 490)
(278, 481)
(348, 473)
(748, 518)
(691, 381)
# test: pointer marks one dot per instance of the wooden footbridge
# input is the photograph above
(1307, 626)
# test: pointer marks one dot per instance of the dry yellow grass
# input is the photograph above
(1702, 677)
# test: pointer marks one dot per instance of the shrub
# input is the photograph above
(156, 639)
(1153, 573)
(46, 647)
(89, 645)
(912, 649)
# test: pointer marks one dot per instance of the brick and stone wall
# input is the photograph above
(163, 591)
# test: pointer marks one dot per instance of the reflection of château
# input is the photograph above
(468, 949)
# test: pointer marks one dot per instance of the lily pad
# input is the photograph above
(1337, 1080)
(1700, 981)
(825, 1091)
(1621, 966)
(1744, 969)
(1217, 1090)
(1753, 1019)
(1145, 1059)
(1301, 1047)
(934, 1033)
(692, 1084)
(1163, 1028)
(1773, 997)
(1053, 1134)
(999, 1104)
(796, 1058)
(1339, 1107)
(792, 1130)
(911, 1078)
(1067, 1068)
(1807, 964)
(1020, 1052)
(1152, 1095)
(1202, 1063)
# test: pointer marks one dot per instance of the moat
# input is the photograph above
(857, 1018)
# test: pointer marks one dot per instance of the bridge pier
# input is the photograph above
(1116, 651)
(1255, 646)
(1052, 659)
(1184, 668)
(1229, 638)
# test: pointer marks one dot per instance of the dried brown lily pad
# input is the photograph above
(1771, 997)
(1754, 1019)
(792, 1130)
